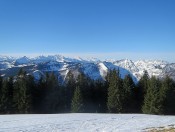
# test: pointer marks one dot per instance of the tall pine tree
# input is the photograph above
(6, 98)
(115, 93)
(77, 101)
(69, 89)
(168, 95)
(54, 100)
(22, 96)
(153, 100)
(141, 90)
(128, 87)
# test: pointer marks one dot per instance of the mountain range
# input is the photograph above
(92, 67)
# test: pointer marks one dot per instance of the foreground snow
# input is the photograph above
(82, 122)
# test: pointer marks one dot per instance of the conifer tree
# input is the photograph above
(128, 87)
(168, 95)
(99, 96)
(77, 101)
(10, 95)
(21, 97)
(31, 87)
(141, 89)
(82, 81)
(152, 101)
(53, 98)
(143, 82)
(84, 84)
(38, 95)
(69, 89)
(115, 93)
(6, 98)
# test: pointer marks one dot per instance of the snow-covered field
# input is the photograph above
(82, 122)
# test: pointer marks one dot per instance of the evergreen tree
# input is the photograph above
(31, 86)
(10, 95)
(128, 87)
(141, 89)
(82, 81)
(108, 76)
(99, 96)
(69, 89)
(39, 94)
(6, 98)
(85, 85)
(77, 101)
(21, 97)
(22, 94)
(168, 95)
(153, 100)
(53, 98)
(115, 93)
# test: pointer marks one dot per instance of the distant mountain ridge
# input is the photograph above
(93, 67)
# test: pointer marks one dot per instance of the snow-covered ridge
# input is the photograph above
(93, 67)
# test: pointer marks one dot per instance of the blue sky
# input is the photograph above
(133, 29)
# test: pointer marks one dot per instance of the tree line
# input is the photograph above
(23, 94)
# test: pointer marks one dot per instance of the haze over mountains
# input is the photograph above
(94, 68)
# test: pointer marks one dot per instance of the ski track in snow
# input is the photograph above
(82, 122)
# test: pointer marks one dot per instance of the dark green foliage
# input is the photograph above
(53, 98)
(77, 101)
(83, 81)
(143, 83)
(69, 90)
(85, 84)
(153, 99)
(141, 89)
(128, 87)
(168, 96)
(99, 97)
(115, 93)
(6, 97)
(38, 96)
(22, 94)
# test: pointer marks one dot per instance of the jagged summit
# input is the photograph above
(93, 67)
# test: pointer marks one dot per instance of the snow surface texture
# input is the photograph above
(94, 68)
(83, 122)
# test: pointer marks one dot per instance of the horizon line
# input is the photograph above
(104, 56)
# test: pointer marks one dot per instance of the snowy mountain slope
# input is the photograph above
(22, 60)
(154, 68)
(169, 70)
(127, 64)
(94, 68)
(102, 69)
(7, 58)
(84, 122)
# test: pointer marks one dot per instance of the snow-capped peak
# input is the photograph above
(23, 60)
(93, 67)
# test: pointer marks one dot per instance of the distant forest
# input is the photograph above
(22, 94)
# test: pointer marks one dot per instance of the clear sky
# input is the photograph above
(133, 29)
